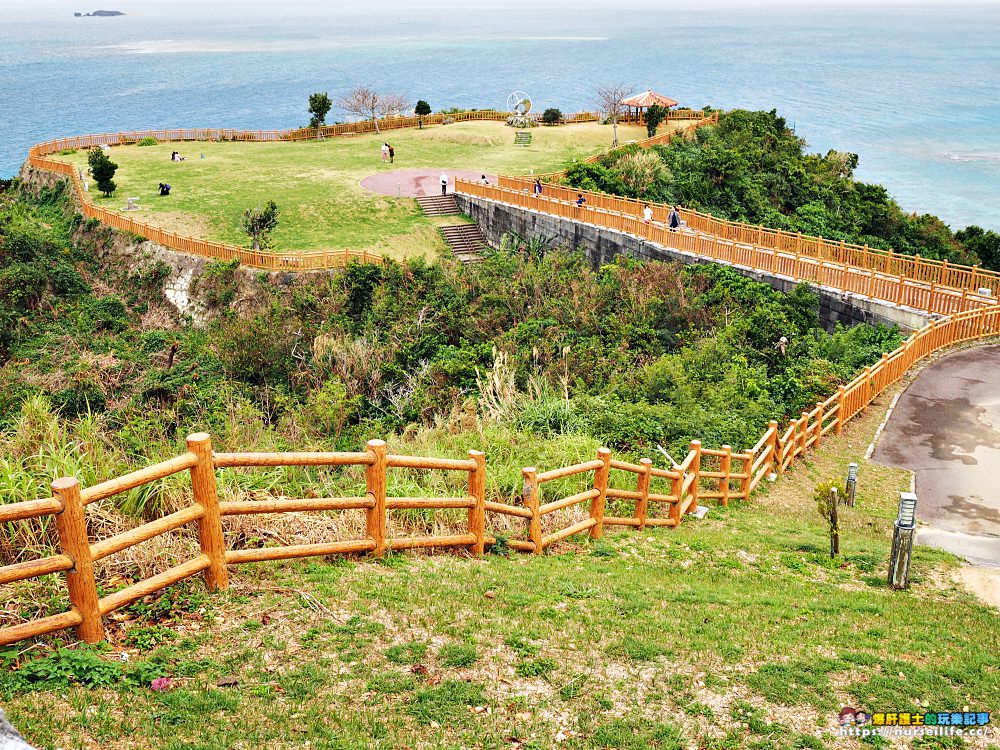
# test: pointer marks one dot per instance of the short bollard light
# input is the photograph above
(851, 485)
(902, 541)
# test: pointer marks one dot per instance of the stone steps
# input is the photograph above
(466, 241)
(438, 205)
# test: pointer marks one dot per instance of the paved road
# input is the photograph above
(415, 183)
(946, 428)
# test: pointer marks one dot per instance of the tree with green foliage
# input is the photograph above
(259, 222)
(653, 116)
(421, 110)
(552, 116)
(983, 243)
(103, 170)
(319, 107)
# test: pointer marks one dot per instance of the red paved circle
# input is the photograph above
(415, 183)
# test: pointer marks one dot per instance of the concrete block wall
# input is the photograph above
(602, 245)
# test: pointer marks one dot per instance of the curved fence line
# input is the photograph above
(720, 474)
(273, 261)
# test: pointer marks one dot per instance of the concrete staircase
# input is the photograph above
(438, 205)
(466, 241)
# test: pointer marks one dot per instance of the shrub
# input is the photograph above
(552, 116)
(148, 141)
(107, 314)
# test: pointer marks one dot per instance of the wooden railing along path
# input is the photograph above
(721, 474)
(884, 262)
(816, 264)
(39, 157)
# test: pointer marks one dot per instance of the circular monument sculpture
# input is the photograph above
(519, 105)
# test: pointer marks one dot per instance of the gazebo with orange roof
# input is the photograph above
(645, 100)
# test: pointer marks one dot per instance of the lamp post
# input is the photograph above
(902, 541)
(851, 486)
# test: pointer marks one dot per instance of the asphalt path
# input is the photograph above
(946, 428)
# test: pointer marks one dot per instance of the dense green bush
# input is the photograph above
(552, 116)
(751, 167)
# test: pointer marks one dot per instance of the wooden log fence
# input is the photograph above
(908, 288)
(719, 474)
(311, 260)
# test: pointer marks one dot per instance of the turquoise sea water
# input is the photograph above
(914, 91)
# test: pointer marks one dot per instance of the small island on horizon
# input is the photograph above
(99, 14)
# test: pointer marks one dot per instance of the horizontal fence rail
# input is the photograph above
(646, 496)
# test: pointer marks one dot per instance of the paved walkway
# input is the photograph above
(946, 428)
(416, 183)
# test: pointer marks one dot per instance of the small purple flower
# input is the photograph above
(161, 683)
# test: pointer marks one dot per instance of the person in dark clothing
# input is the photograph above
(580, 200)
(164, 188)
(392, 154)
(674, 219)
(538, 187)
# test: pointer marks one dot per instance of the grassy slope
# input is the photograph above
(727, 633)
(315, 184)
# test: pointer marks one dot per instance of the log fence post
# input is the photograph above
(774, 445)
(841, 408)
(206, 494)
(642, 485)
(819, 423)
(71, 526)
(804, 431)
(696, 470)
(727, 462)
(601, 485)
(477, 513)
(375, 520)
(676, 489)
(530, 499)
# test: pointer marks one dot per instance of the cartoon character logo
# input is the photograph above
(862, 718)
(848, 716)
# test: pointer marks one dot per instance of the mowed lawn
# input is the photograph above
(316, 184)
(732, 632)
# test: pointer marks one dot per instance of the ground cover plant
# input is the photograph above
(316, 182)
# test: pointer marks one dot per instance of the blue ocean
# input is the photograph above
(915, 91)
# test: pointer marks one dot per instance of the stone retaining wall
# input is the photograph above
(603, 245)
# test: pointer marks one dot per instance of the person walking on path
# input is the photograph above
(580, 200)
(538, 186)
(647, 214)
(385, 151)
(392, 154)
(444, 183)
(674, 220)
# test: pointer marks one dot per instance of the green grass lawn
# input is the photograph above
(732, 632)
(315, 184)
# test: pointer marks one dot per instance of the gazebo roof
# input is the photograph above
(647, 99)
